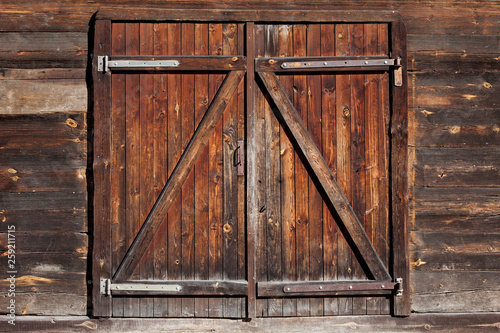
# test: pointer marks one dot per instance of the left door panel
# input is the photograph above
(153, 116)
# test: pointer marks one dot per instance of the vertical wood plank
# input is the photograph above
(329, 143)
(241, 125)
(131, 305)
(343, 136)
(301, 175)
(232, 308)
(101, 264)
(174, 153)
(258, 147)
(372, 149)
(315, 204)
(160, 164)
(118, 190)
(252, 179)
(287, 153)
(384, 234)
(215, 179)
(272, 167)
(146, 160)
(399, 175)
(188, 214)
(201, 174)
(358, 153)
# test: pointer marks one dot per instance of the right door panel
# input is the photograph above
(347, 116)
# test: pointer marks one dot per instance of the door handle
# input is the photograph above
(239, 157)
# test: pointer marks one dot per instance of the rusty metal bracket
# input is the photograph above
(398, 73)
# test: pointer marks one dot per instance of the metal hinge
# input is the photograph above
(399, 287)
(104, 64)
(107, 287)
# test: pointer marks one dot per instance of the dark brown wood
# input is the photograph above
(329, 151)
(451, 127)
(314, 127)
(232, 308)
(246, 15)
(259, 182)
(43, 49)
(287, 163)
(186, 62)
(457, 167)
(454, 90)
(71, 242)
(343, 158)
(201, 176)
(118, 170)
(181, 171)
(189, 288)
(188, 208)
(251, 162)
(289, 118)
(399, 173)
(358, 34)
(60, 166)
(102, 253)
(216, 182)
(131, 307)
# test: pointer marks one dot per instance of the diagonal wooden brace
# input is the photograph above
(290, 119)
(179, 175)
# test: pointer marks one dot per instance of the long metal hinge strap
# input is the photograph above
(339, 63)
(309, 288)
(107, 287)
(104, 64)
(347, 63)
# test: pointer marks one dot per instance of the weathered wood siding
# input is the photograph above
(454, 101)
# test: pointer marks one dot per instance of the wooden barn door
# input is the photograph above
(249, 170)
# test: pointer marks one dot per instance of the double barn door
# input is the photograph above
(248, 169)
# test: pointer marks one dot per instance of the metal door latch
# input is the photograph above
(399, 287)
(398, 73)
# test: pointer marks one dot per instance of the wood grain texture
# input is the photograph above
(42, 96)
(475, 322)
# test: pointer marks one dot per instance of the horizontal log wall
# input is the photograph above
(454, 74)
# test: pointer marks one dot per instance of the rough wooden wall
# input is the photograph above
(454, 99)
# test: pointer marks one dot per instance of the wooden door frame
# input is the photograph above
(101, 267)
